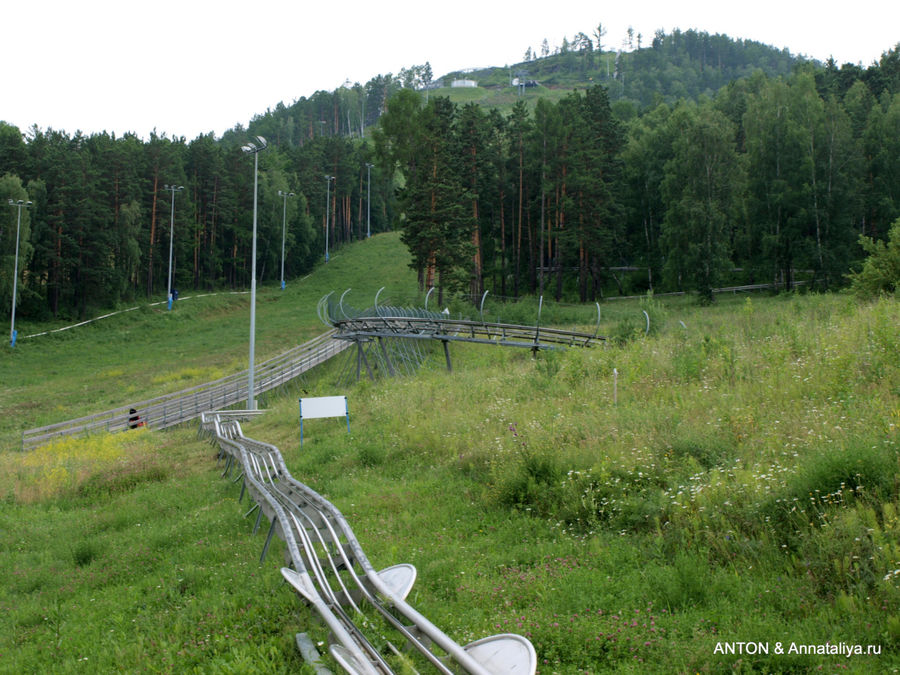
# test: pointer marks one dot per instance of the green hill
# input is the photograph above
(683, 64)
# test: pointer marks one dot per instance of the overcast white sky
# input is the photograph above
(186, 67)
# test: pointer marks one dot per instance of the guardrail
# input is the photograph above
(185, 405)
(332, 574)
(725, 289)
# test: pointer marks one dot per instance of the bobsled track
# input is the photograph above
(387, 339)
(330, 572)
(186, 405)
(372, 330)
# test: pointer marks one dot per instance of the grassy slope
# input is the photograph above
(743, 488)
(501, 97)
(495, 91)
(145, 353)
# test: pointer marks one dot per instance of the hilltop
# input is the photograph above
(683, 64)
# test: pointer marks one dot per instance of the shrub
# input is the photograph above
(533, 483)
(859, 469)
(613, 498)
(830, 480)
(843, 556)
(648, 321)
(371, 455)
(84, 553)
(881, 270)
(706, 451)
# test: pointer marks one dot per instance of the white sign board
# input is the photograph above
(323, 406)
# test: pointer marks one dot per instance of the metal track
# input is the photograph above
(333, 575)
(379, 322)
(185, 405)
(462, 330)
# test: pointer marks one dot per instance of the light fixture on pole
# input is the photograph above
(328, 180)
(256, 147)
(173, 189)
(283, 230)
(369, 200)
(12, 328)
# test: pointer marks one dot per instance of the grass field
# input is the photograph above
(681, 501)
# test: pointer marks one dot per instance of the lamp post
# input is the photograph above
(369, 200)
(328, 180)
(283, 230)
(12, 328)
(173, 189)
(255, 147)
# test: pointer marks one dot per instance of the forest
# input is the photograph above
(771, 177)
(771, 181)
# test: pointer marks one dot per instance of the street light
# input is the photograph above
(12, 328)
(173, 189)
(328, 180)
(255, 148)
(369, 200)
(283, 231)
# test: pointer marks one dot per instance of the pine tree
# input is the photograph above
(438, 227)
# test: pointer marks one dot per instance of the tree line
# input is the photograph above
(97, 231)
(770, 179)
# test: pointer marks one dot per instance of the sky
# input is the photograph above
(189, 67)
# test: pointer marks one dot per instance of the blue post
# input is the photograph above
(15, 334)
(300, 403)
(347, 409)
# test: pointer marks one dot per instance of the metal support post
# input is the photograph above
(362, 355)
(447, 354)
(265, 550)
(387, 358)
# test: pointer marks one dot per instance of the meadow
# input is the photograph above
(719, 494)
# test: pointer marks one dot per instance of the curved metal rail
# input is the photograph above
(383, 321)
(460, 330)
(333, 575)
